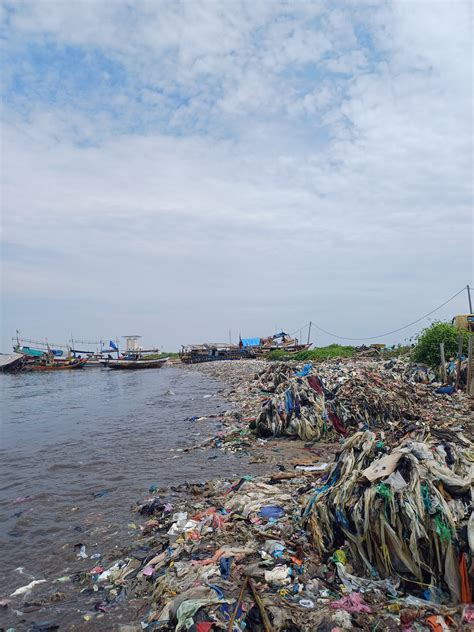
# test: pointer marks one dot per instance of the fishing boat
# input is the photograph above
(134, 361)
(94, 358)
(54, 365)
(134, 357)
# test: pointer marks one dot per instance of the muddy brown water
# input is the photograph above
(77, 450)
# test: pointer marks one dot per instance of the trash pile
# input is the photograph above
(297, 409)
(310, 406)
(406, 515)
(371, 399)
(262, 554)
(235, 556)
(383, 540)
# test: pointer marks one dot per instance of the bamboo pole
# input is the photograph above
(258, 600)
(470, 360)
(444, 375)
(237, 605)
(458, 364)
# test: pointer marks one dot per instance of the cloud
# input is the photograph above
(267, 165)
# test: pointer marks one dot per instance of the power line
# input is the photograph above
(299, 329)
(394, 331)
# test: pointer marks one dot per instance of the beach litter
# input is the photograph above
(380, 539)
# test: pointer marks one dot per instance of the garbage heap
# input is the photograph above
(372, 399)
(405, 515)
(234, 556)
(261, 554)
(297, 409)
(312, 406)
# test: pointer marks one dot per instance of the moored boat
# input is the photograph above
(134, 363)
(134, 357)
(63, 365)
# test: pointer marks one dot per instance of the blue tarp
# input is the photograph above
(306, 370)
(37, 353)
(34, 353)
(251, 342)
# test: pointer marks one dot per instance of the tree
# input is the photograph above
(427, 347)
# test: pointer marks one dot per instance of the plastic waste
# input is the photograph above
(312, 468)
(148, 571)
(343, 620)
(272, 511)
(340, 556)
(25, 589)
(446, 390)
(225, 564)
(306, 603)
(204, 626)
(106, 575)
(396, 481)
(188, 608)
(354, 583)
(306, 370)
(274, 548)
(278, 575)
(352, 603)
(180, 519)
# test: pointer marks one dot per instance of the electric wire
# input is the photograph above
(394, 331)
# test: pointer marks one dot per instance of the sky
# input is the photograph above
(182, 170)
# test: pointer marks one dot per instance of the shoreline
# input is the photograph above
(215, 535)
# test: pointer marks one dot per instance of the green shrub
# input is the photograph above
(427, 348)
(317, 354)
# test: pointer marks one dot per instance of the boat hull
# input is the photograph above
(60, 366)
(12, 362)
(134, 364)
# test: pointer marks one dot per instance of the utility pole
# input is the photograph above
(469, 298)
(309, 331)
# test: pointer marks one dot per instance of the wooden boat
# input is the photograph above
(65, 365)
(11, 362)
(93, 363)
(134, 363)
